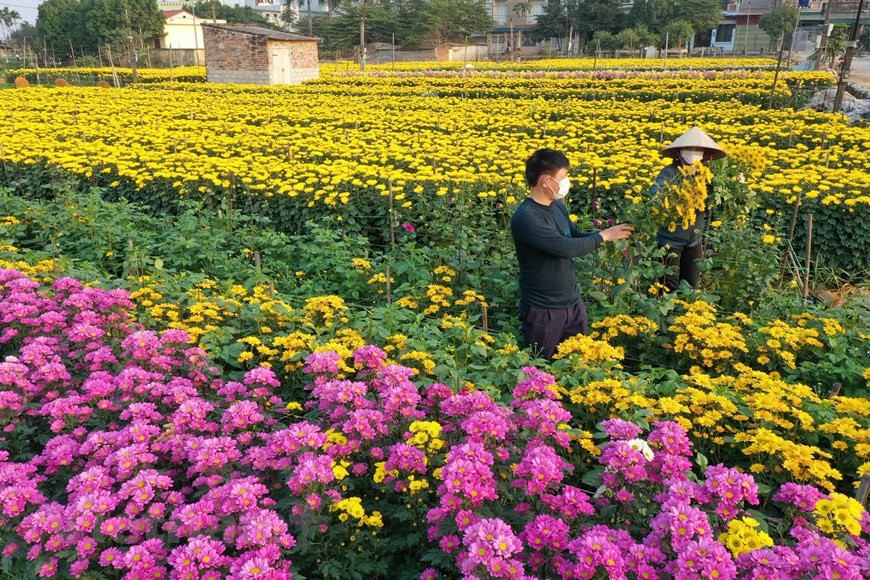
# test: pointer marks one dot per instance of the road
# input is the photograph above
(859, 72)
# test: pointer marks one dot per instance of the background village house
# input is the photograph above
(182, 37)
(255, 55)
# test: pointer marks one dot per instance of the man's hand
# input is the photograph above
(617, 232)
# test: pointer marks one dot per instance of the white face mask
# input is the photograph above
(691, 156)
(564, 186)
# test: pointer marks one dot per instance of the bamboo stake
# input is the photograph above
(807, 259)
(794, 215)
(392, 244)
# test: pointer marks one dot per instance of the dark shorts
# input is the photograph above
(544, 328)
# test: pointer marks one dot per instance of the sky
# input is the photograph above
(27, 8)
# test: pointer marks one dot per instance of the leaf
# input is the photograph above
(760, 518)
(158, 263)
(593, 478)
(701, 461)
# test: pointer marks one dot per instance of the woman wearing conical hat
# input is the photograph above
(684, 243)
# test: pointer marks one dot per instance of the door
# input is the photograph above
(281, 65)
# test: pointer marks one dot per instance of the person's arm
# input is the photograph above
(666, 175)
(574, 230)
(534, 231)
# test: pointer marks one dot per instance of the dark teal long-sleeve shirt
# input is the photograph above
(545, 241)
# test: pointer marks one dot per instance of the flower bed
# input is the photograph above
(127, 455)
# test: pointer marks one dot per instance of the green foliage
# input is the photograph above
(232, 14)
(779, 21)
(90, 25)
(553, 23)
(678, 32)
(657, 15)
(636, 37)
(441, 21)
(592, 16)
(412, 22)
(703, 15)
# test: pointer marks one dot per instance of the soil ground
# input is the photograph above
(859, 72)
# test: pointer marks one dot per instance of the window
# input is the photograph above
(500, 12)
(725, 33)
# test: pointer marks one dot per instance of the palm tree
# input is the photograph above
(8, 19)
(330, 4)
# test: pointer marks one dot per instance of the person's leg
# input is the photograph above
(542, 329)
(690, 271)
(672, 259)
(578, 322)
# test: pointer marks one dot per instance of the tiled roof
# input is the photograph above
(260, 31)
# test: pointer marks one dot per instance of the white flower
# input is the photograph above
(643, 447)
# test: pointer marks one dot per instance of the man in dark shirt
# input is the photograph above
(551, 308)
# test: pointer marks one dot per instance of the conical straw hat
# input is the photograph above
(694, 137)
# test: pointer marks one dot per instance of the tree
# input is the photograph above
(232, 14)
(59, 23)
(678, 32)
(553, 23)
(702, 15)
(93, 24)
(445, 20)
(606, 40)
(636, 37)
(654, 14)
(658, 15)
(25, 34)
(342, 31)
(521, 9)
(779, 21)
(8, 19)
(592, 16)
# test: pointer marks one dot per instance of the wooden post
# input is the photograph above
(392, 243)
(776, 74)
(794, 215)
(115, 79)
(807, 259)
(73, 53)
(863, 489)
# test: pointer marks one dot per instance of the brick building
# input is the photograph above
(254, 55)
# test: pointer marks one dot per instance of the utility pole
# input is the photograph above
(851, 45)
(823, 43)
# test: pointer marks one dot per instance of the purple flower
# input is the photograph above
(409, 226)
